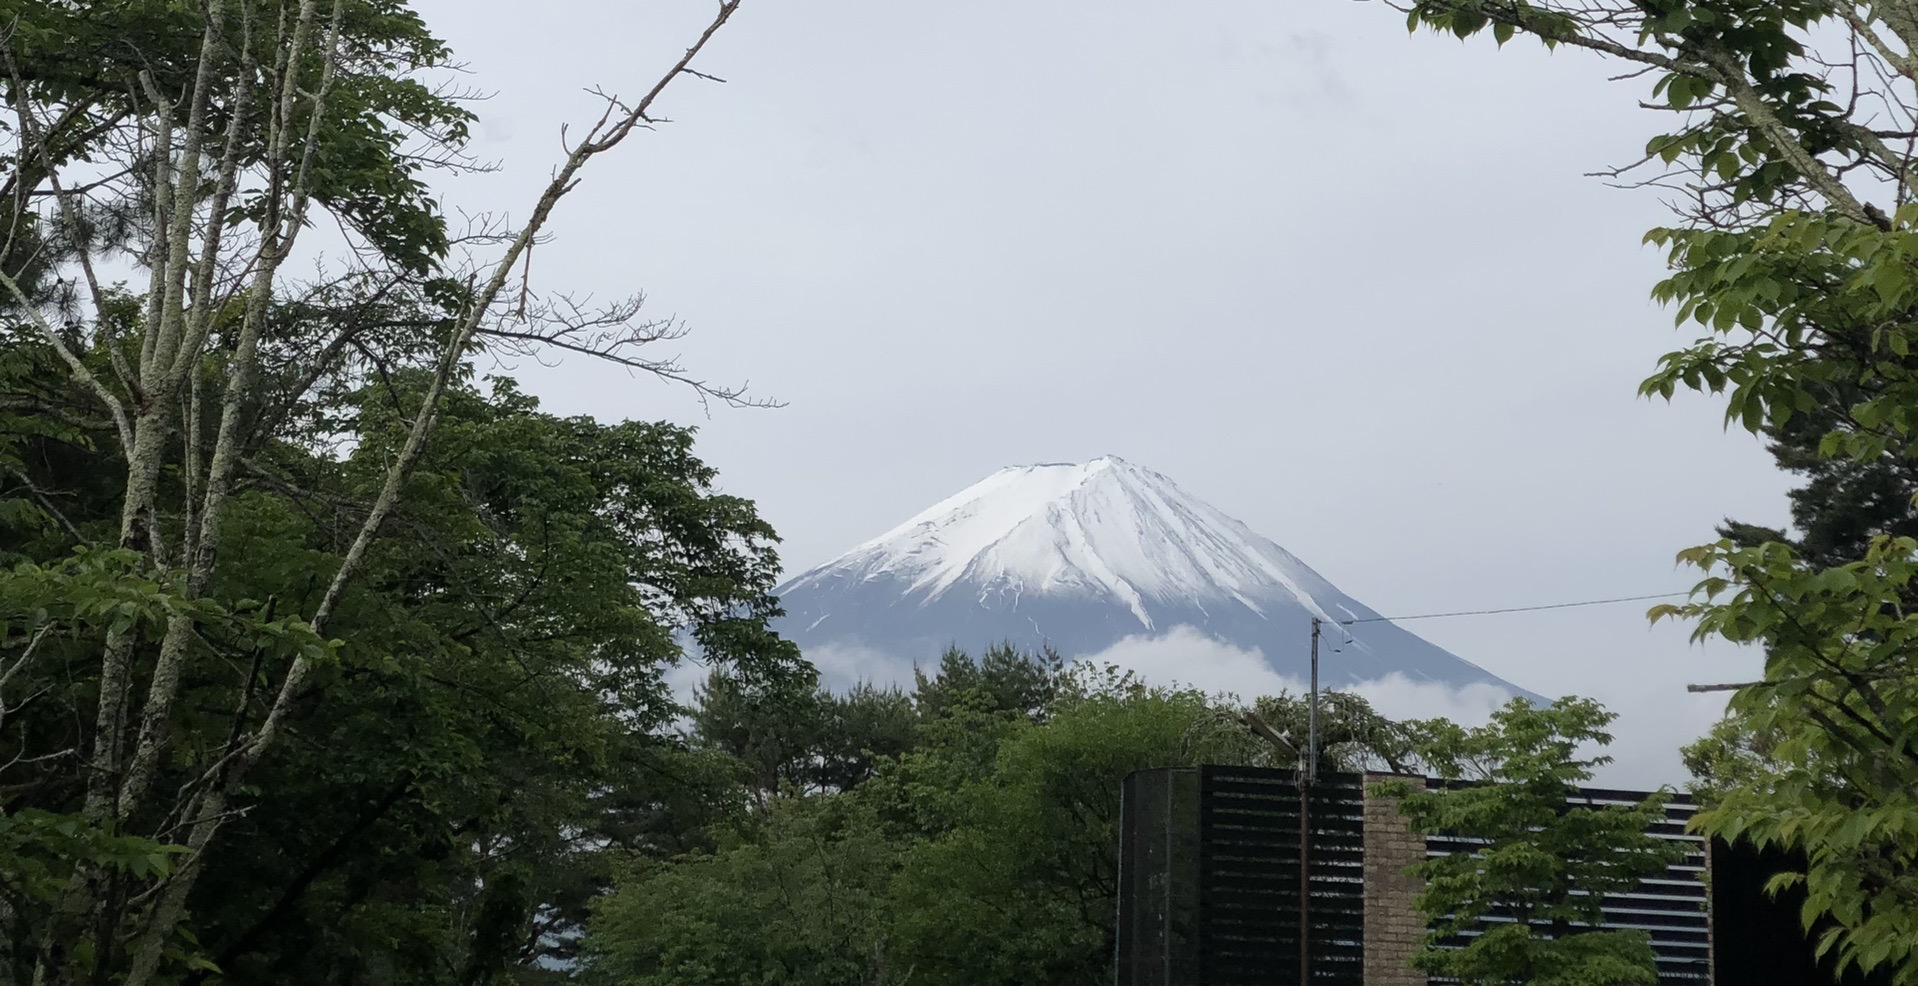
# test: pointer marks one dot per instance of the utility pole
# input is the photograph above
(1312, 716)
(1284, 741)
(1307, 773)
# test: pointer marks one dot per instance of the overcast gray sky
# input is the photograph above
(1349, 285)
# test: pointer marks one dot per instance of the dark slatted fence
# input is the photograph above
(1209, 881)
(1249, 824)
(1670, 907)
(1209, 878)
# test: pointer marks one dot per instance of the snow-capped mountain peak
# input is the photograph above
(1105, 528)
(1081, 556)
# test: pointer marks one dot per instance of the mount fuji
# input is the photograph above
(1083, 556)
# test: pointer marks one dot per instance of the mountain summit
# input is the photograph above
(1082, 556)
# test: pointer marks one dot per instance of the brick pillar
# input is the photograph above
(1394, 929)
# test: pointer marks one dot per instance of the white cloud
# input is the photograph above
(1653, 723)
(843, 665)
(1398, 697)
(1185, 657)
(1646, 737)
(682, 678)
(840, 667)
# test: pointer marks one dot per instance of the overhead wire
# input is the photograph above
(1512, 609)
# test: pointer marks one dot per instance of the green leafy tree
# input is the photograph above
(197, 142)
(771, 731)
(1522, 906)
(801, 895)
(1352, 735)
(790, 737)
(1008, 679)
(984, 853)
(490, 738)
(1793, 255)
(491, 735)
(1022, 884)
(866, 727)
(1841, 503)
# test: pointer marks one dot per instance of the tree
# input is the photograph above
(1351, 733)
(1021, 883)
(788, 736)
(1842, 503)
(1793, 166)
(802, 899)
(197, 142)
(488, 740)
(983, 852)
(491, 735)
(1526, 898)
(1009, 679)
(843, 787)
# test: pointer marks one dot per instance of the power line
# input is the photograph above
(1513, 609)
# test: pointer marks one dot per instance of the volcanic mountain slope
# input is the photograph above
(1085, 555)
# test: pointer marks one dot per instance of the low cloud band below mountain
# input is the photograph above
(880, 617)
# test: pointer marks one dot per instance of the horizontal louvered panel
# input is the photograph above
(1249, 874)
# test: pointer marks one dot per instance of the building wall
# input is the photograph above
(1394, 929)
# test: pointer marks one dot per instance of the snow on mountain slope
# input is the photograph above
(1081, 556)
(1105, 527)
